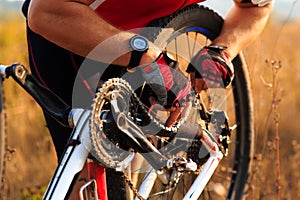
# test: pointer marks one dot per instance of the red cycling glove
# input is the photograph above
(167, 81)
(212, 63)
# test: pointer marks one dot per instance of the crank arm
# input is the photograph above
(143, 145)
(48, 101)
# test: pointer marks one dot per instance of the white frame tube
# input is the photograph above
(148, 183)
(208, 170)
(73, 160)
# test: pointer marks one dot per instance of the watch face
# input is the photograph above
(139, 43)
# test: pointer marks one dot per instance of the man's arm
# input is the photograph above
(242, 25)
(73, 25)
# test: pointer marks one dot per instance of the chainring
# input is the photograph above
(104, 149)
(109, 146)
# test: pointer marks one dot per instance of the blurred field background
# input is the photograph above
(31, 160)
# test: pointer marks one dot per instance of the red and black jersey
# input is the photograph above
(130, 14)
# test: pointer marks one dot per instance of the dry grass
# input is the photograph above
(32, 158)
(280, 43)
(33, 162)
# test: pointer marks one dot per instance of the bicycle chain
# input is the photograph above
(132, 187)
(119, 81)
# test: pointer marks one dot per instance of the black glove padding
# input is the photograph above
(166, 80)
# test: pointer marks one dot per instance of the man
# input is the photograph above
(61, 33)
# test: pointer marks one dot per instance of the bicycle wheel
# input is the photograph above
(182, 34)
(3, 138)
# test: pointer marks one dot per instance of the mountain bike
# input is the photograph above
(205, 155)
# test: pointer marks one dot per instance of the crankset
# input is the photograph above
(119, 124)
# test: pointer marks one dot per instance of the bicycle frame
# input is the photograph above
(77, 152)
(79, 146)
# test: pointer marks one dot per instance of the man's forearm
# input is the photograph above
(76, 27)
(241, 27)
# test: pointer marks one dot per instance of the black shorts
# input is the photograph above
(57, 69)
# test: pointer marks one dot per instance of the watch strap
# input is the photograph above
(135, 58)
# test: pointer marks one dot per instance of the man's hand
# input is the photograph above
(167, 81)
(213, 66)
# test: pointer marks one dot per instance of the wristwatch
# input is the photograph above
(139, 46)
